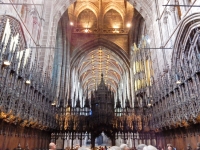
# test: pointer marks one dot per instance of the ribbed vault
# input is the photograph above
(96, 57)
(100, 34)
(143, 6)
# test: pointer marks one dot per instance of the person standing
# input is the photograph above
(105, 148)
(52, 146)
(170, 147)
(124, 147)
(140, 146)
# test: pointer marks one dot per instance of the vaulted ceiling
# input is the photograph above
(101, 35)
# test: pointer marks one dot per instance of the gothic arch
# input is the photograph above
(61, 6)
(91, 49)
(15, 29)
(141, 6)
(91, 19)
(188, 25)
(87, 5)
(116, 7)
(86, 48)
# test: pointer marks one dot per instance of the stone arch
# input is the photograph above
(62, 5)
(121, 58)
(139, 5)
(15, 28)
(87, 5)
(116, 7)
(99, 42)
(91, 19)
(185, 29)
(108, 21)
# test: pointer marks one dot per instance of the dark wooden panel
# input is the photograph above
(11, 136)
(179, 137)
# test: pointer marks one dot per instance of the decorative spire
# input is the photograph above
(87, 90)
(61, 102)
(113, 97)
(65, 97)
(118, 103)
(21, 73)
(87, 100)
(122, 100)
(74, 98)
(127, 105)
(7, 53)
(28, 63)
(78, 102)
(15, 61)
(1, 48)
(102, 84)
(102, 80)
(92, 95)
(69, 104)
(82, 102)
(2, 25)
(7, 50)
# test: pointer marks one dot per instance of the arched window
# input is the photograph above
(87, 19)
(112, 19)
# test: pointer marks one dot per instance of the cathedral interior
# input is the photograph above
(77, 72)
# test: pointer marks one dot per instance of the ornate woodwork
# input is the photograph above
(28, 105)
(26, 110)
(100, 115)
(177, 92)
(15, 136)
(24, 107)
(175, 110)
